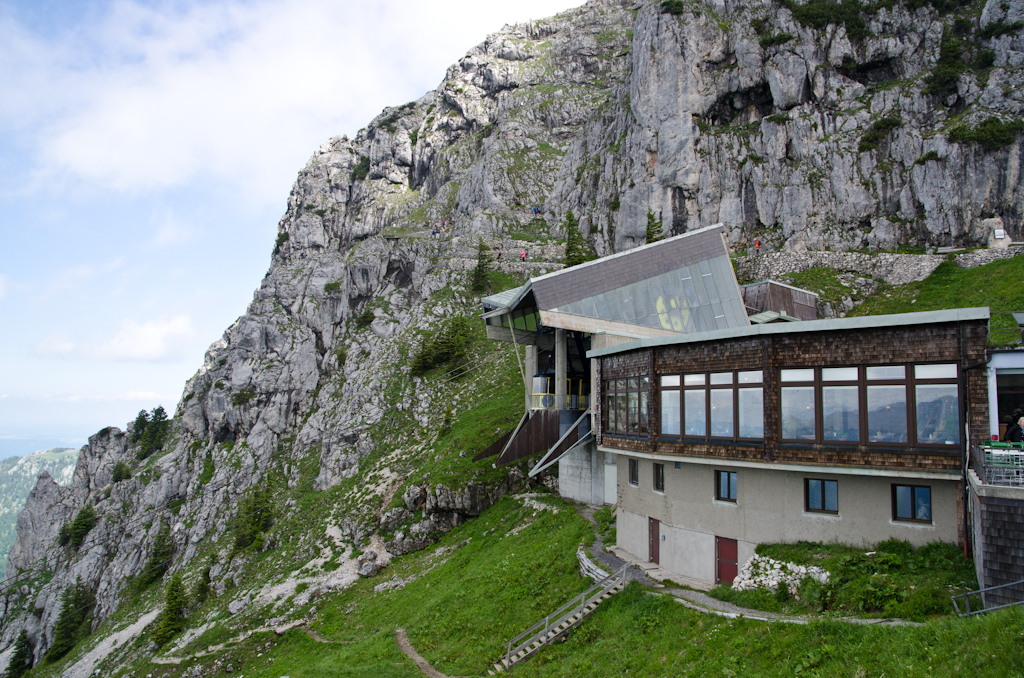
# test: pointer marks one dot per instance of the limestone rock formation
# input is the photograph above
(808, 138)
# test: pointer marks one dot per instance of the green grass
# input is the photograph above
(896, 581)
(824, 281)
(997, 285)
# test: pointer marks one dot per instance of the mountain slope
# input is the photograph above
(304, 450)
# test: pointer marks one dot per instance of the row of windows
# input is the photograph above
(912, 503)
(886, 405)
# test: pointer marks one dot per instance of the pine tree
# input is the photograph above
(139, 427)
(155, 432)
(654, 227)
(480, 279)
(84, 521)
(21, 660)
(172, 619)
(159, 559)
(74, 621)
(576, 249)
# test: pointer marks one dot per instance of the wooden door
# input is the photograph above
(654, 526)
(726, 565)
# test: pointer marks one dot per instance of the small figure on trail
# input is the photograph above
(498, 258)
(522, 256)
(757, 245)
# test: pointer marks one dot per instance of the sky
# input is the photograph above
(146, 154)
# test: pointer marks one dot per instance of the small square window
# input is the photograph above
(634, 472)
(659, 477)
(725, 485)
(912, 503)
(821, 496)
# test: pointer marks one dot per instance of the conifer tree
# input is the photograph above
(21, 660)
(654, 227)
(84, 521)
(172, 619)
(159, 559)
(481, 274)
(74, 621)
(576, 250)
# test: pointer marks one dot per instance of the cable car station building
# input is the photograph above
(715, 425)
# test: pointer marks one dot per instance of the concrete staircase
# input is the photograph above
(559, 622)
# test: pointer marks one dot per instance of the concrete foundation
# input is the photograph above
(583, 475)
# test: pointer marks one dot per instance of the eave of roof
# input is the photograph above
(829, 325)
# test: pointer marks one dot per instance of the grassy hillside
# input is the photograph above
(495, 575)
(999, 285)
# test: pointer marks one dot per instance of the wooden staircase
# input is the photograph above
(559, 622)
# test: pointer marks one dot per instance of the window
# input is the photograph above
(889, 405)
(625, 410)
(726, 405)
(798, 412)
(659, 477)
(912, 503)
(634, 472)
(725, 485)
(821, 496)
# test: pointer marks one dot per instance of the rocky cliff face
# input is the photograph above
(721, 112)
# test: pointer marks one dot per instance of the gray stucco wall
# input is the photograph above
(769, 508)
(581, 475)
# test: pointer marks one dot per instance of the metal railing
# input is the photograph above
(980, 593)
(1003, 465)
(577, 605)
(548, 401)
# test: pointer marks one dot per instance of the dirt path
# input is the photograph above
(406, 647)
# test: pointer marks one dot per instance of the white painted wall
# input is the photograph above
(769, 508)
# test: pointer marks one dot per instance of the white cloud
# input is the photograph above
(144, 97)
(152, 341)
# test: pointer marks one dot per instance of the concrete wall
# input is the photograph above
(581, 475)
(769, 508)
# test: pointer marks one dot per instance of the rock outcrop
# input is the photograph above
(807, 138)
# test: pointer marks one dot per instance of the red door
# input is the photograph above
(726, 560)
(654, 526)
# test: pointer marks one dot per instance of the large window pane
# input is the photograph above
(938, 414)
(840, 411)
(922, 503)
(887, 414)
(693, 380)
(721, 378)
(751, 413)
(721, 413)
(670, 380)
(797, 375)
(814, 498)
(620, 412)
(643, 412)
(798, 413)
(633, 418)
(831, 495)
(695, 418)
(670, 413)
(753, 377)
(903, 502)
(609, 408)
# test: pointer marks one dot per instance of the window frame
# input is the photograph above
(634, 473)
(909, 382)
(707, 388)
(807, 496)
(636, 385)
(732, 482)
(658, 475)
(913, 504)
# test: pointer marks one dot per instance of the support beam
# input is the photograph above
(531, 369)
(561, 371)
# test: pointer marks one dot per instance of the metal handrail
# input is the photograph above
(567, 610)
(967, 600)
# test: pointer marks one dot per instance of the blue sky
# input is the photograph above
(146, 154)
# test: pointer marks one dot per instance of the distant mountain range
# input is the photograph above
(18, 477)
